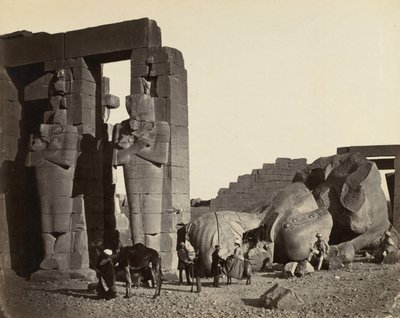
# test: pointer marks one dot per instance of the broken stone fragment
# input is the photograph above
(289, 269)
(278, 297)
(304, 268)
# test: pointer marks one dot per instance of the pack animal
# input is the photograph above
(137, 258)
(230, 270)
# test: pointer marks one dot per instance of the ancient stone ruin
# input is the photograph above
(340, 197)
(59, 153)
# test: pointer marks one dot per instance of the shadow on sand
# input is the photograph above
(252, 302)
(78, 293)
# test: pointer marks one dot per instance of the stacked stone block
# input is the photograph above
(257, 186)
(11, 177)
(62, 87)
(66, 91)
(116, 224)
(161, 193)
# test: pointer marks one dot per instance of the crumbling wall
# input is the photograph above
(257, 186)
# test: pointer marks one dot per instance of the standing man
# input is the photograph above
(198, 271)
(216, 265)
(184, 263)
(320, 249)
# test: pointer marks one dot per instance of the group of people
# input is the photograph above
(190, 261)
(193, 266)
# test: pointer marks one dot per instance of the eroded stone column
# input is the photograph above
(54, 151)
(157, 172)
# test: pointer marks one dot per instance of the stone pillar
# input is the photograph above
(13, 226)
(54, 152)
(157, 177)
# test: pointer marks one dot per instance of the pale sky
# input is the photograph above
(266, 79)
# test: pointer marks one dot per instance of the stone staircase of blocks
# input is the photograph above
(257, 186)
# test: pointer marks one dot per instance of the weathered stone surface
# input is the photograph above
(179, 157)
(138, 70)
(169, 261)
(179, 136)
(341, 255)
(82, 73)
(38, 89)
(160, 109)
(161, 242)
(291, 220)
(168, 222)
(102, 39)
(289, 269)
(392, 257)
(278, 297)
(8, 91)
(158, 69)
(80, 100)
(266, 182)
(28, 49)
(260, 257)
(304, 268)
(79, 259)
(173, 87)
(157, 55)
(84, 116)
(55, 117)
(78, 222)
(80, 242)
(83, 86)
(63, 243)
(110, 101)
(204, 234)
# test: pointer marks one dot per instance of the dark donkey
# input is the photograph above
(139, 257)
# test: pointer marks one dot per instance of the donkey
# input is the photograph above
(236, 268)
(137, 258)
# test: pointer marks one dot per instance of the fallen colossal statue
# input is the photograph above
(338, 196)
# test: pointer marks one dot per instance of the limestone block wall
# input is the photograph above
(257, 186)
(160, 196)
(13, 228)
(51, 80)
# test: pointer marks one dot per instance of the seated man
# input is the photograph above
(106, 274)
(320, 249)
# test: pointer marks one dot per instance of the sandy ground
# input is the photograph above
(363, 290)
